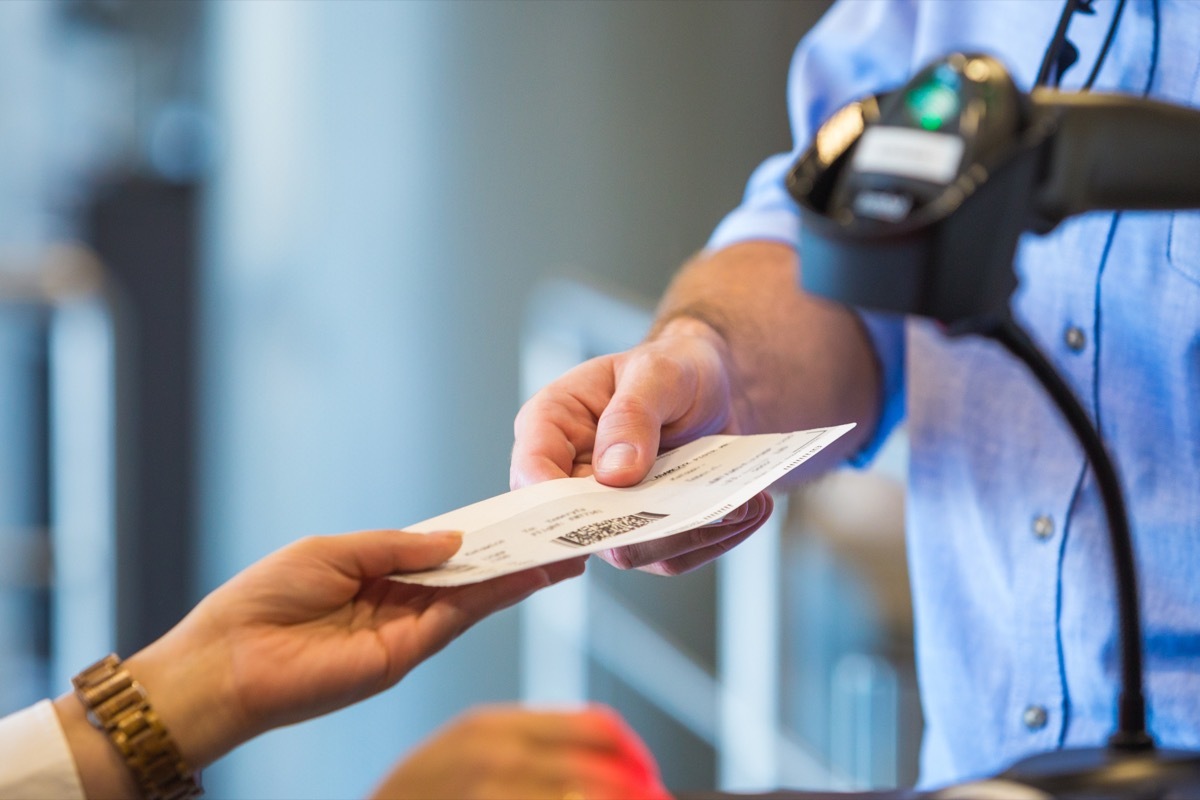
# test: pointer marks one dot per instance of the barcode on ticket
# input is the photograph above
(606, 529)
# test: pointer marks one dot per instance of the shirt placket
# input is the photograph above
(1039, 711)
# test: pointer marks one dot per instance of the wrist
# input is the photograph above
(191, 689)
(102, 771)
(121, 744)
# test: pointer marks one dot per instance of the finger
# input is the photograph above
(740, 514)
(667, 550)
(460, 607)
(643, 554)
(555, 430)
(664, 396)
(698, 558)
(445, 614)
(449, 612)
(547, 575)
(695, 559)
(562, 570)
(377, 553)
(497, 593)
(630, 429)
(542, 447)
(472, 602)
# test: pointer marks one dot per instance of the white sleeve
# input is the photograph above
(35, 760)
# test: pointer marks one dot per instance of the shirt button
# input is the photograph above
(1075, 338)
(1043, 527)
(1035, 717)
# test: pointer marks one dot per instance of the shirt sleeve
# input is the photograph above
(37, 763)
(859, 47)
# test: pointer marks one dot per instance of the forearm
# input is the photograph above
(796, 361)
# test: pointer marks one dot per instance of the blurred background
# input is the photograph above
(277, 268)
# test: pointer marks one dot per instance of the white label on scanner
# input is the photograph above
(909, 153)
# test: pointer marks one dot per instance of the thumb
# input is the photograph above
(378, 553)
(675, 384)
(630, 429)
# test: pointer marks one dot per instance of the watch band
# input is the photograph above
(117, 705)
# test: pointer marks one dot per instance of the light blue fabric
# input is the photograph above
(1006, 619)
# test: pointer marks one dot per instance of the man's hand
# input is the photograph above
(737, 348)
(611, 416)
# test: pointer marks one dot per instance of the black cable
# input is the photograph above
(1054, 51)
(1156, 14)
(1131, 731)
(1108, 40)
(1061, 53)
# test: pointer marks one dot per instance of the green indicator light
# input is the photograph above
(932, 104)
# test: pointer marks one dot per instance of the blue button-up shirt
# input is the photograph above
(1014, 602)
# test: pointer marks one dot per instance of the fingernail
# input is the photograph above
(618, 457)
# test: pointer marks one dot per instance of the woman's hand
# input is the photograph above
(511, 753)
(311, 628)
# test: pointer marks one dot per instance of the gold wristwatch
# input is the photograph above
(117, 705)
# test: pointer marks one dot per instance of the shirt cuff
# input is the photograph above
(37, 763)
(886, 332)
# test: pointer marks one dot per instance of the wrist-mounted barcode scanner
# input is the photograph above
(913, 202)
